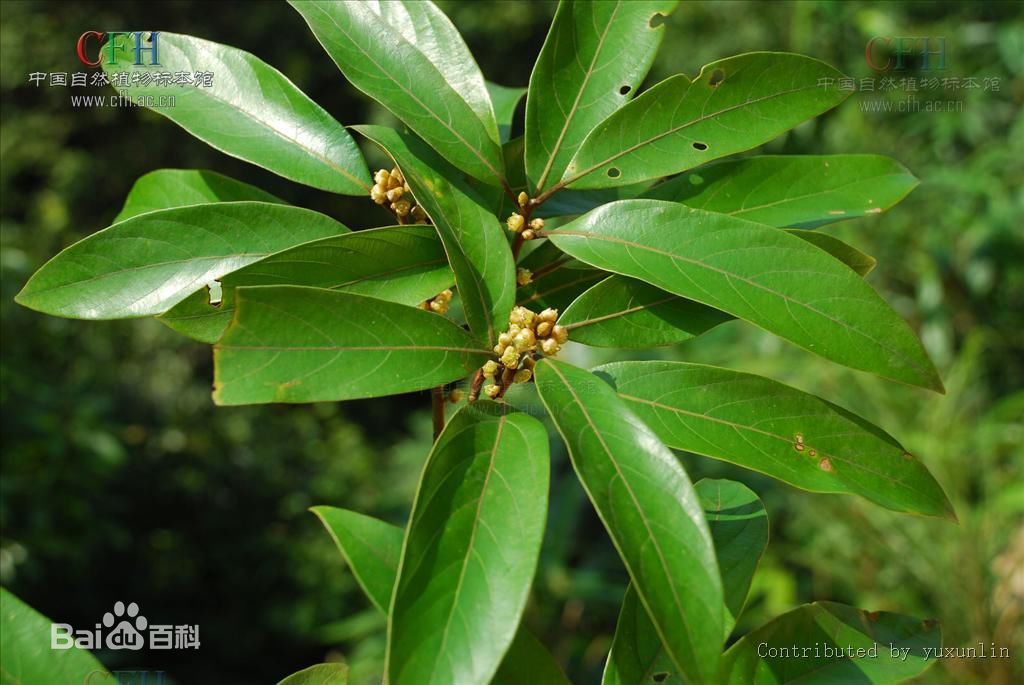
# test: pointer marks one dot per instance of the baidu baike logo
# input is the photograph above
(125, 628)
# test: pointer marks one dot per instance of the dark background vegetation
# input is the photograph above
(120, 480)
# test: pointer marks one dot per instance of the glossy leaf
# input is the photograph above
(404, 264)
(471, 549)
(27, 657)
(651, 511)
(593, 60)
(528, 662)
(370, 547)
(474, 241)
(624, 312)
(147, 264)
(250, 111)
(166, 188)
(792, 190)
(505, 101)
(733, 105)
(739, 528)
(298, 344)
(321, 674)
(772, 428)
(754, 272)
(827, 624)
(409, 57)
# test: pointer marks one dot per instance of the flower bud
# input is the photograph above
(395, 194)
(529, 363)
(378, 195)
(549, 346)
(548, 315)
(521, 316)
(525, 340)
(528, 234)
(492, 391)
(455, 396)
(397, 178)
(544, 329)
(406, 188)
(523, 276)
(537, 224)
(522, 376)
(505, 339)
(490, 368)
(560, 334)
(499, 349)
(446, 295)
(510, 357)
(401, 208)
(523, 199)
(515, 222)
(418, 214)
(381, 177)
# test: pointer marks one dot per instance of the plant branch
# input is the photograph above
(437, 404)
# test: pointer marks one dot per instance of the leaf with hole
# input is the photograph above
(650, 509)
(733, 105)
(166, 188)
(409, 57)
(147, 264)
(772, 428)
(404, 264)
(473, 239)
(811, 628)
(471, 549)
(757, 273)
(593, 60)
(299, 344)
(249, 110)
(803, 191)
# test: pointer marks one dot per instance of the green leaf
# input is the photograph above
(505, 101)
(765, 276)
(822, 625)
(651, 511)
(471, 548)
(625, 312)
(739, 529)
(409, 57)
(147, 264)
(250, 111)
(593, 60)
(733, 105)
(298, 344)
(370, 547)
(27, 657)
(777, 430)
(321, 674)
(792, 190)
(404, 264)
(473, 239)
(637, 656)
(558, 279)
(529, 662)
(166, 188)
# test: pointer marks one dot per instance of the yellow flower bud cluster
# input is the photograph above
(527, 334)
(517, 224)
(523, 277)
(440, 303)
(389, 188)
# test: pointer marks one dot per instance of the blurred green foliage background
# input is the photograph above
(120, 480)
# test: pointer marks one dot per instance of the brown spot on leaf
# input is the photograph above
(825, 465)
(908, 456)
(812, 453)
(717, 76)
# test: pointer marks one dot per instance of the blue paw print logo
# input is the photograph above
(129, 624)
